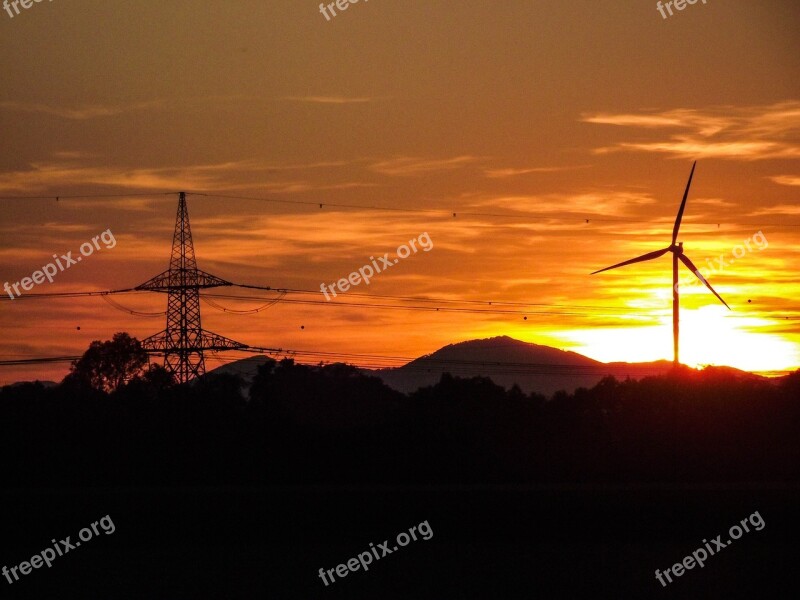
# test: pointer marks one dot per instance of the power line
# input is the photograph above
(431, 299)
(422, 360)
(136, 313)
(568, 309)
(440, 212)
(41, 295)
(58, 197)
(183, 280)
(425, 363)
(35, 361)
(284, 291)
(251, 311)
(422, 307)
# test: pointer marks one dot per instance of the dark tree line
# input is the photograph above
(114, 420)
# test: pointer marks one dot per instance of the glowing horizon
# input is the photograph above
(543, 146)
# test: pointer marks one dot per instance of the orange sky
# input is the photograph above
(525, 119)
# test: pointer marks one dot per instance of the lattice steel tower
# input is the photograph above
(184, 340)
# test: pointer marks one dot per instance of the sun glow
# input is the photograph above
(710, 335)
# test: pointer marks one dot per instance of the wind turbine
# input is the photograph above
(677, 255)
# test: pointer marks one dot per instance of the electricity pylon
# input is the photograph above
(184, 340)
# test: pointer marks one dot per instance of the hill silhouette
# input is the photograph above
(299, 423)
(535, 368)
(307, 464)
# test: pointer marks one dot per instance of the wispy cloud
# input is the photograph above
(688, 148)
(42, 176)
(69, 171)
(79, 113)
(304, 166)
(593, 202)
(781, 209)
(331, 99)
(513, 172)
(726, 132)
(73, 155)
(413, 166)
(300, 186)
(786, 179)
(705, 124)
(714, 202)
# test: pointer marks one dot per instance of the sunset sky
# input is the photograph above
(560, 134)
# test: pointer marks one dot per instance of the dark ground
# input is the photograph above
(513, 542)
(584, 495)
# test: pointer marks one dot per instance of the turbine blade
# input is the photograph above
(685, 260)
(683, 206)
(642, 258)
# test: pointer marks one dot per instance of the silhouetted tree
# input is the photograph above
(149, 386)
(334, 423)
(107, 366)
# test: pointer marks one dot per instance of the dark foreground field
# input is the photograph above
(218, 494)
(495, 542)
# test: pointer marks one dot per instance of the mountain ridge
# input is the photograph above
(507, 361)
